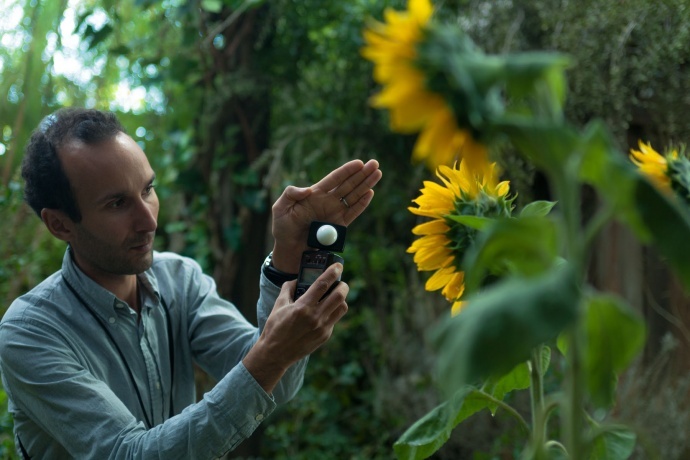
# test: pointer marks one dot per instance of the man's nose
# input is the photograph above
(147, 216)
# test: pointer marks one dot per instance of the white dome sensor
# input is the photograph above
(326, 235)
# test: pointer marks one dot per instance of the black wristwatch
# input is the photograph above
(274, 275)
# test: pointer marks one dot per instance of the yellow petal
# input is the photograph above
(455, 286)
(432, 259)
(421, 10)
(652, 165)
(433, 227)
(503, 188)
(439, 279)
(457, 307)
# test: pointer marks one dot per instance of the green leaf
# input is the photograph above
(614, 336)
(516, 379)
(537, 209)
(616, 443)
(212, 6)
(522, 246)
(669, 226)
(476, 222)
(433, 430)
(500, 326)
(545, 359)
(612, 175)
(557, 84)
(430, 432)
(527, 71)
(473, 401)
(548, 145)
(425, 436)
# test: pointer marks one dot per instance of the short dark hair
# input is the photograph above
(46, 184)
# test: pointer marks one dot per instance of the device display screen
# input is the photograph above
(309, 275)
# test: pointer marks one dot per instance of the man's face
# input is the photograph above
(113, 185)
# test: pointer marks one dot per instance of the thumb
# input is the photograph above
(288, 198)
(293, 193)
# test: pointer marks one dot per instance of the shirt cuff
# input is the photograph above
(240, 397)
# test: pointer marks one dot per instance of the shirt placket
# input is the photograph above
(152, 369)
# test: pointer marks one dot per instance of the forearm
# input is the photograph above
(283, 381)
(208, 429)
(211, 427)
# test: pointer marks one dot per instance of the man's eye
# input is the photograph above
(149, 189)
(117, 203)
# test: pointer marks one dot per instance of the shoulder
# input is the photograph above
(36, 319)
(169, 262)
(37, 302)
(178, 273)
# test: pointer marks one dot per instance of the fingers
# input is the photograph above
(354, 191)
(340, 308)
(357, 184)
(351, 180)
(358, 207)
(322, 284)
(339, 175)
(332, 308)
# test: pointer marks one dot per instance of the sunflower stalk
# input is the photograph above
(602, 217)
(539, 415)
(567, 188)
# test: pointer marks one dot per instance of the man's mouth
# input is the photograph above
(143, 247)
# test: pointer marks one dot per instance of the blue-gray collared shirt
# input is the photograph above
(65, 368)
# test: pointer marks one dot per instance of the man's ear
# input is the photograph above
(58, 223)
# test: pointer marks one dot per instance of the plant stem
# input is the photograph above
(509, 409)
(596, 224)
(574, 423)
(537, 403)
(537, 395)
(555, 444)
(567, 187)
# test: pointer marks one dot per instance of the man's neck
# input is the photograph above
(124, 287)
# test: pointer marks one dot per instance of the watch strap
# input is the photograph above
(274, 275)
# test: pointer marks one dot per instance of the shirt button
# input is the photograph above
(158, 386)
(112, 320)
(259, 417)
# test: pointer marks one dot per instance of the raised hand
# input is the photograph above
(339, 198)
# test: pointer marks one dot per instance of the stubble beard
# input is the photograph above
(111, 259)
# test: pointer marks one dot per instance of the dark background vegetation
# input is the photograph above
(245, 97)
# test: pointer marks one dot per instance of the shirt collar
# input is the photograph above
(100, 299)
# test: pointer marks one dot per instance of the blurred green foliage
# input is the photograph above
(236, 106)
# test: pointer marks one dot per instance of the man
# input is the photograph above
(97, 360)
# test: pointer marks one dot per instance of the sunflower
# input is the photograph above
(443, 241)
(669, 172)
(392, 47)
(653, 165)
